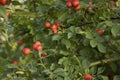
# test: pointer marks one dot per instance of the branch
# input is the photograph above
(104, 61)
(86, 23)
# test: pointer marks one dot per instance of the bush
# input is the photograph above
(60, 40)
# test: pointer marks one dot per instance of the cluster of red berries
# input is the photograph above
(89, 7)
(37, 46)
(53, 27)
(5, 2)
(73, 3)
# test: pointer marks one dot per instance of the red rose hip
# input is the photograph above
(90, 3)
(69, 4)
(57, 24)
(47, 24)
(100, 31)
(3, 2)
(20, 42)
(77, 8)
(75, 3)
(15, 63)
(88, 77)
(43, 54)
(89, 8)
(54, 27)
(26, 51)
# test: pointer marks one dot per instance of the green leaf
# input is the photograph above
(113, 66)
(118, 3)
(48, 2)
(83, 4)
(70, 34)
(102, 18)
(56, 37)
(93, 43)
(11, 66)
(117, 77)
(47, 71)
(72, 28)
(89, 35)
(58, 72)
(86, 42)
(63, 60)
(71, 20)
(33, 69)
(2, 12)
(115, 30)
(62, 16)
(109, 23)
(16, 3)
(99, 39)
(52, 67)
(64, 52)
(93, 70)
(105, 78)
(100, 70)
(66, 42)
(101, 48)
(59, 78)
(85, 64)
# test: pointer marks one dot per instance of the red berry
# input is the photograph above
(43, 54)
(20, 42)
(100, 31)
(77, 8)
(89, 8)
(37, 46)
(38, 43)
(3, 2)
(55, 31)
(15, 63)
(26, 51)
(75, 3)
(57, 24)
(90, 3)
(69, 4)
(47, 24)
(54, 27)
(88, 77)
(115, 0)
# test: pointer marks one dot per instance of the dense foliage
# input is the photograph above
(60, 40)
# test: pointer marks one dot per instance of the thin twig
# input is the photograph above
(104, 61)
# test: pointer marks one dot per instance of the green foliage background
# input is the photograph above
(77, 49)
